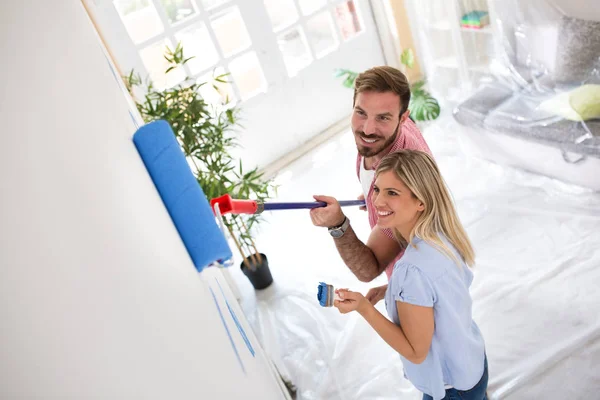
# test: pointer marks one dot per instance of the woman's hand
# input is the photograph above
(374, 295)
(350, 301)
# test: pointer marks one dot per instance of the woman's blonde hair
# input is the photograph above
(419, 172)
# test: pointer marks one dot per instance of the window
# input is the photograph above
(213, 32)
(306, 29)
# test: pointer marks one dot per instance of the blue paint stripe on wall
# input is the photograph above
(114, 74)
(237, 322)
(133, 119)
(119, 83)
(227, 330)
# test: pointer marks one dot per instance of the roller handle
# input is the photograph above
(293, 206)
(227, 205)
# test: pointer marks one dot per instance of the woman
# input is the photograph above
(428, 298)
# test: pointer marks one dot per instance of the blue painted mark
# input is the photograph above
(119, 84)
(227, 330)
(133, 119)
(114, 74)
(237, 322)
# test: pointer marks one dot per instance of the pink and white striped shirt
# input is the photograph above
(409, 138)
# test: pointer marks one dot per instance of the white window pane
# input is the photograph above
(197, 42)
(207, 4)
(140, 19)
(178, 10)
(321, 33)
(153, 58)
(295, 51)
(282, 13)
(348, 19)
(231, 31)
(248, 75)
(310, 6)
(214, 92)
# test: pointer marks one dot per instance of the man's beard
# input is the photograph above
(370, 152)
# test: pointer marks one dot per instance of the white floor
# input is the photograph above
(536, 292)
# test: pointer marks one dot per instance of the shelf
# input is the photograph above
(439, 26)
(459, 56)
(481, 68)
(486, 30)
(446, 62)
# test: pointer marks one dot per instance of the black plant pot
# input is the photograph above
(260, 274)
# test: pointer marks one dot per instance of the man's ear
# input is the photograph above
(404, 116)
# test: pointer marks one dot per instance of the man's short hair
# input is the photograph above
(384, 79)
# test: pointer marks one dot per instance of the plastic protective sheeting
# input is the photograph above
(535, 291)
(542, 47)
(545, 84)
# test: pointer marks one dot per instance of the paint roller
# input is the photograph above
(181, 194)
(227, 205)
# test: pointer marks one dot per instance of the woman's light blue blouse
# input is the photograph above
(426, 277)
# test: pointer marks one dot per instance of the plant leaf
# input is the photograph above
(424, 107)
(407, 58)
(207, 134)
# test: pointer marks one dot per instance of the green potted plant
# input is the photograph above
(423, 106)
(206, 133)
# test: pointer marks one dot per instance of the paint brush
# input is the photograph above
(326, 295)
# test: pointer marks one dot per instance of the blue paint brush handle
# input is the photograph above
(295, 206)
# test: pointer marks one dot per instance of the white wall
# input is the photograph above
(98, 297)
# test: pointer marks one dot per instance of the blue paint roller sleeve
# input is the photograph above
(181, 194)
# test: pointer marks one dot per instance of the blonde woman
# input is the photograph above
(427, 298)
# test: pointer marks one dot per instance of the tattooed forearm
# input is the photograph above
(358, 257)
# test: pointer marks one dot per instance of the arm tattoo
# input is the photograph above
(358, 257)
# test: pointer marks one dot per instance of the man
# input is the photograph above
(380, 125)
